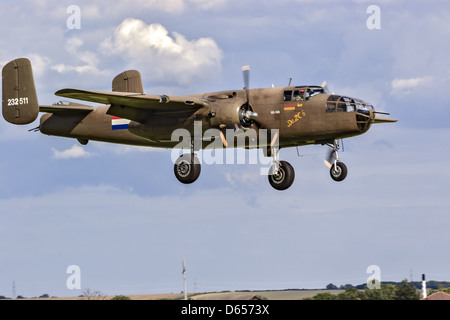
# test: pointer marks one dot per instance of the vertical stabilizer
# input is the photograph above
(128, 81)
(19, 98)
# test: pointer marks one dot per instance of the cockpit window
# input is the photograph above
(299, 95)
(287, 95)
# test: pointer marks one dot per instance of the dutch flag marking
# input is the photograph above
(119, 123)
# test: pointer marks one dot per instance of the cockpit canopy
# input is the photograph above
(302, 93)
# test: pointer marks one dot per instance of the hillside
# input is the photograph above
(286, 294)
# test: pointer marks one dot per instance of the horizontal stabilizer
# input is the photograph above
(63, 108)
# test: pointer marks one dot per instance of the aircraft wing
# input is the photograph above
(155, 103)
(136, 106)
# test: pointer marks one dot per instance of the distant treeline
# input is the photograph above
(432, 284)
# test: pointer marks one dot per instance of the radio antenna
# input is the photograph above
(184, 277)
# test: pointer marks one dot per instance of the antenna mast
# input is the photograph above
(184, 277)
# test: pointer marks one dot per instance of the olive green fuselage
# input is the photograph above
(299, 120)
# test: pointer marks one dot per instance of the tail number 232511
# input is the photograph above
(17, 101)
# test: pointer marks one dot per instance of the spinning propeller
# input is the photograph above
(247, 115)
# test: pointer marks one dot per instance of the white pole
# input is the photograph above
(424, 286)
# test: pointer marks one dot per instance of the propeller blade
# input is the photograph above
(224, 140)
(248, 115)
(246, 73)
(325, 86)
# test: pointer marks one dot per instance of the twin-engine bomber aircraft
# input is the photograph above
(280, 117)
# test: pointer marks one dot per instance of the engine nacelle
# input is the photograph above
(228, 113)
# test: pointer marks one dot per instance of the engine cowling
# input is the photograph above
(231, 112)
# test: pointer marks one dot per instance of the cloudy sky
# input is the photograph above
(119, 213)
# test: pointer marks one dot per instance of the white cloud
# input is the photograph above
(207, 4)
(74, 152)
(174, 6)
(89, 59)
(168, 57)
(237, 179)
(121, 149)
(169, 6)
(39, 63)
(406, 85)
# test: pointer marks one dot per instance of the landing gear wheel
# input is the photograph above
(338, 172)
(187, 168)
(282, 178)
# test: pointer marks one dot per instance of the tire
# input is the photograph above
(338, 172)
(283, 178)
(187, 168)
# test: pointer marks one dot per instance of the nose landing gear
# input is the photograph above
(338, 170)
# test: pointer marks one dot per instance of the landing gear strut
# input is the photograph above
(338, 170)
(281, 174)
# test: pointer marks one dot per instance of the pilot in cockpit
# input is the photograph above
(298, 95)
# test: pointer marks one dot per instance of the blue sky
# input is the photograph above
(119, 213)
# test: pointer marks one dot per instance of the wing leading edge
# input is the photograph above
(136, 106)
(154, 103)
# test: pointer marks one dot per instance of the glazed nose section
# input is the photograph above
(364, 116)
(363, 111)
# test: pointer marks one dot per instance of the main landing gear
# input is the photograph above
(281, 174)
(187, 168)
